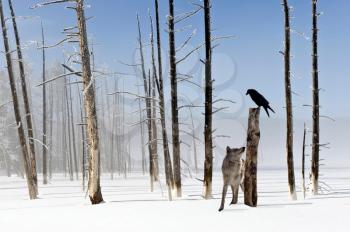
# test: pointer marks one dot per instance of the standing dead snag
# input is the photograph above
(28, 114)
(315, 103)
(154, 106)
(148, 110)
(289, 111)
(167, 159)
(250, 173)
(303, 163)
(174, 105)
(90, 109)
(44, 109)
(31, 181)
(208, 140)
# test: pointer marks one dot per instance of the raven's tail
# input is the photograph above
(269, 107)
(267, 112)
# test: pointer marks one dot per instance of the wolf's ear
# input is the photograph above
(227, 149)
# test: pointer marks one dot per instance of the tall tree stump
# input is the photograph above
(250, 173)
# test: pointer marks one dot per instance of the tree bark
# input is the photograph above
(315, 103)
(44, 147)
(148, 110)
(174, 107)
(31, 181)
(90, 109)
(250, 173)
(289, 110)
(167, 160)
(154, 107)
(303, 163)
(28, 117)
(208, 141)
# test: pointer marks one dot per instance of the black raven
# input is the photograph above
(259, 100)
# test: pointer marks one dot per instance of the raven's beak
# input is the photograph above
(246, 93)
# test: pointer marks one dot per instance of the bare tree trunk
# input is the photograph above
(25, 99)
(303, 163)
(90, 108)
(289, 110)
(148, 110)
(51, 131)
(194, 142)
(208, 141)
(31, 179)
(44, 109)
(167, 160)
(250, 173)
(73, 133)
(154, 106)
(174, 107)
(70, 160)
(143, 155)
(315, 103)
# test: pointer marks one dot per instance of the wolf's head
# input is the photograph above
(235, 154)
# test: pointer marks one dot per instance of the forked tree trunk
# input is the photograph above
(289, 111)
(148, 110)
(174, 107)
(90, 109)
(31, 181)
(303, 163)
(44, 109)
(250, 173)
(28, 115)
(208, 140)
(167, 160)
(315, 103)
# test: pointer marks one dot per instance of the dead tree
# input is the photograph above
(68, 130)
(28, 117)
(208, 140)
(315, 103)
(289, 110)
(44, 109)
(167, 160)
(31, 181)
(148, 110)
(303, 163)
(174, 101)
(250, 173)
(90, 109)
(73, 132)
(51, 130)
(154, 104)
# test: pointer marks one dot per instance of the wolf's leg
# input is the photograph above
(224, 191)
(234, 194)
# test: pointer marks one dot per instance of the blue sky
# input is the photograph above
(251, 60)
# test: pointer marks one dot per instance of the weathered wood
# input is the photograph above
(208, 133)
(167, 160)
(174, 103)
(31, 181)
(147, 89)
(250, 173)
(315, 103)
(154, 107)
(90, 109)
(303, 163)
(289, 107)
(44, 147)
(28, 115)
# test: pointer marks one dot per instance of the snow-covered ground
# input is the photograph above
(130, 206)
